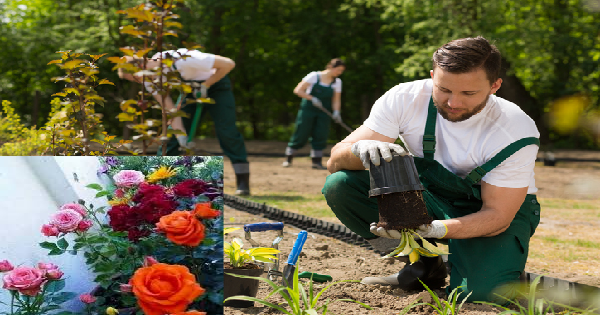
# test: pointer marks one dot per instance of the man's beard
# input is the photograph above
(462, 117)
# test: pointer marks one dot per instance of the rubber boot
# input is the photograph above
(243, 184)
(316, 163)
(288, 161)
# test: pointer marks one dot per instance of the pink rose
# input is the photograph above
(66, 220)
(126, 288)
(26, 280)
(5, 266)
(128, 178)
(149, 261)
(84, 225)
(50, 230)
(51, 271)
(75, 206)
(87, 298)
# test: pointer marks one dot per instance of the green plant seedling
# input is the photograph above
(535, 306)
(294, 296)
(238, 256)
(441, 307)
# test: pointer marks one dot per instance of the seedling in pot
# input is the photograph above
(399, 195)
(238, 256)
(299, 301)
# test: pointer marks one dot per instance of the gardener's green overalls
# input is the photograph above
(478, 264)
(223, 115)
(313, 122)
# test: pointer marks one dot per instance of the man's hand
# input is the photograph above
(379, 231)
(337, 117)
(370, 149)
(437, 229)
(316, 102)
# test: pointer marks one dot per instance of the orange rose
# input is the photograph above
(182, 228)
(164, 289)
(204, 211)
(189, 313)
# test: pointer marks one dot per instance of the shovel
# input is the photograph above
(288, 271)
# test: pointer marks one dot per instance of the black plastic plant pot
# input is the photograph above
(399, 194)
(240, 286)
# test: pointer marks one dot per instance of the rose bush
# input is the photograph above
(34, 290)
(160, 209)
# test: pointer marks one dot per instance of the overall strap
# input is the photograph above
(478, 173)
(429, 135)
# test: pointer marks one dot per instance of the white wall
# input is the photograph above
(31, 190)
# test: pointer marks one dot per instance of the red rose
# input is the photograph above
(190, 188)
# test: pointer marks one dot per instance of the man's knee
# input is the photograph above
(336, 185)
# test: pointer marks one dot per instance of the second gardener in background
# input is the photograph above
(319, 90)
(208, 73)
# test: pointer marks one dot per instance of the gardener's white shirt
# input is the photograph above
(312, 79)
(191, 64)
(460, 146)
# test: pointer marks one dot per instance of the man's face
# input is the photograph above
(460, 96)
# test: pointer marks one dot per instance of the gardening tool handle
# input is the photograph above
(340, 123)
(293, 258)
(263, 226)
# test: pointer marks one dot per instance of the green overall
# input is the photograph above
(313, 122)
(479, 264)
(223, 115)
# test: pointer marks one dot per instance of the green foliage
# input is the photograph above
(441, 307)
(15, 138)
(299, 301)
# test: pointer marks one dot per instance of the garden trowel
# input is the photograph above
(287, 278)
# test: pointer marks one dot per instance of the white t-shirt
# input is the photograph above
(460, 146)
(312, 79)
(191, 64)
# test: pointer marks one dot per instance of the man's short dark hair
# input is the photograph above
(469, 54)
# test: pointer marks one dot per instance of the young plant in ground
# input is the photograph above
(535, 305)
(152, 23)
(238, 256)
(74, 124)
(299, 301)
(441, 307)
(409, 247)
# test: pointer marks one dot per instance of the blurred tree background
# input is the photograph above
(551, 49)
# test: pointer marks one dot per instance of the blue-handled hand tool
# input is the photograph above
(270, 268)
(288, 271)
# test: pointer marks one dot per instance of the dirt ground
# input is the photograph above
(566, 180)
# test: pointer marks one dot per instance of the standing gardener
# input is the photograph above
(475, 154)
(318, 90)
(208, 73)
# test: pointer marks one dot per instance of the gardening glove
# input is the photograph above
(337, 117)
(370, 149)
(382, 232)
(316, 103)
(437, 229)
